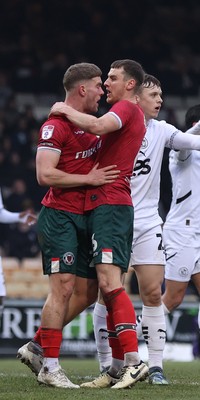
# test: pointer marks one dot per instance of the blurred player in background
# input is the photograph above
(8, 217)
(181, 235)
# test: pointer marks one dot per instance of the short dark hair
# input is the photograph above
(149, 80)
(132, 69)
(78, 72)
(192, 115)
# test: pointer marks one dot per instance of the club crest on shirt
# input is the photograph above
(144, 144)
(47, 131)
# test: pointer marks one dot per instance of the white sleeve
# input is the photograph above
(195, 130)
(183, 141)
(185, 154)
(8, 217)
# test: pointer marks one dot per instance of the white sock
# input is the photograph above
(139, 325)
(51, 363)
(154, 332)
(101, 336)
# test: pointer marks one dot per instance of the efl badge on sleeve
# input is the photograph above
(47, 131)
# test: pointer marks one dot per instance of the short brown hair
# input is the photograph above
(78, 72)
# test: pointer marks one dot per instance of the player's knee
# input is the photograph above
(176, 301)
(104, 286)
(65, 289)
(153, 297)
(172, 301)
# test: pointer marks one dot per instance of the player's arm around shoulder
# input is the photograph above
(109, 122)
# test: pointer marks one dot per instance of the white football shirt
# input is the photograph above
(185, 206)
(145, 182)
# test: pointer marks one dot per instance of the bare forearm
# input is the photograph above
(60, 179)
(88, 123)
(95, 177)
(97, 126)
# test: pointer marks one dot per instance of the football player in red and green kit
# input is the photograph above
(110, 215)
(65, 162)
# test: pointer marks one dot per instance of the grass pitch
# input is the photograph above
(17, 382)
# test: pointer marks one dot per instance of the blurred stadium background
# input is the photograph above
(39, 40)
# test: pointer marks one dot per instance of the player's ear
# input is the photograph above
(131, 84)
(137, 99)
(82, 90)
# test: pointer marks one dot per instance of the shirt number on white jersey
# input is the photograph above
(142, 166)
(160, 246)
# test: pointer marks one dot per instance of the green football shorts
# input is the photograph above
(111, 230)
(64, 243)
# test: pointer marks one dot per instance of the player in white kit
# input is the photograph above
(181, 231)
(147, 256)
(8, 217)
